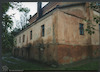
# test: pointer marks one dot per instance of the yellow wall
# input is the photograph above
(68, 27)
(36, 32)
(95, 37)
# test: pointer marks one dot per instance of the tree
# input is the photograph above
(23, 16)
(7, 38)
(7, 23)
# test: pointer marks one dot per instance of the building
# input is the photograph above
(57, 34)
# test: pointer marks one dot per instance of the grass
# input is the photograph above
(26, 65)
(93, 65)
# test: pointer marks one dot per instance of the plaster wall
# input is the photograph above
(95, 36)
(68, 27)
(36, 33)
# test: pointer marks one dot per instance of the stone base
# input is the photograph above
(57, 54)
(69, 53)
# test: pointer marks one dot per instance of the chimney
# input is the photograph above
(39, 9)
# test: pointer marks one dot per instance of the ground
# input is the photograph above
(20, 64)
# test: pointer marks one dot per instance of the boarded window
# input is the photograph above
(30, 34)
(23, 38)
(43, 29)
(81, 29)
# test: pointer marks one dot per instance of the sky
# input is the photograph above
(31, 5)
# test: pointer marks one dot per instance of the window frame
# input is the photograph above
(43, 30)
(16, 40)
(31, 35)
(81, 29)
(23, 38)
(20, 39)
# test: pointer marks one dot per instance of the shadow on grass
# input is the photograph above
(20, 64)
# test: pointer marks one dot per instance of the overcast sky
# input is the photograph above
(31, 5)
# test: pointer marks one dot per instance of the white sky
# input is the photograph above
(31, 5)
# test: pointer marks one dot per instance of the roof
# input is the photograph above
(35, 21)
(48, 7)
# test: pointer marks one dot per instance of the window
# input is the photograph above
(99, 27)
(42, 27)
(30, 34)
(19, 39)
(23, 38)
(15, 41)
(81, 29)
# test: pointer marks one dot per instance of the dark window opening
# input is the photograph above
(23, 38)
(30, 35)
(19, 39)
(42, 30)
(99, 27)
(16, 41)
(81, 29)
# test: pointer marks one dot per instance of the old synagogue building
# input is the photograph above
(56, 34)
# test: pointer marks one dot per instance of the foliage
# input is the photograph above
(26, 10)
(15, 31)
(23, 17)
(95, 6)
(90, 26)
(7, 23)
(5, 7)
(7, 38)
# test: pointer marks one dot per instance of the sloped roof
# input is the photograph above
(36, 19)
(52, 5)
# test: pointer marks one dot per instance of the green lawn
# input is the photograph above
(20, 64)
(93, 65)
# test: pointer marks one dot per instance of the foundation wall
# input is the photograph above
(47, 53)
(70, 53)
